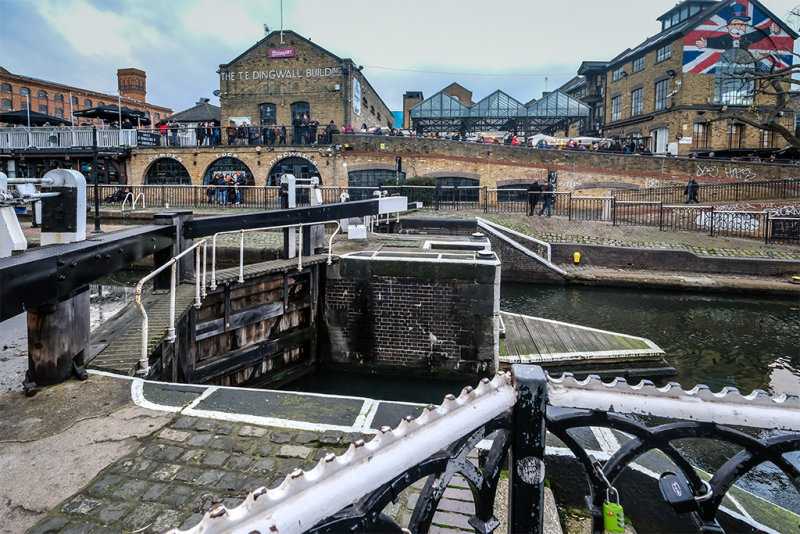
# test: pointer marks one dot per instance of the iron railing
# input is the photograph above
(719, 192)
(509, 416)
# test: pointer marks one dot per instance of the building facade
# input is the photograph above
(687, 89)
(285, 75)
(17, 92)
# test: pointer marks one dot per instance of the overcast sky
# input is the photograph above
(521, 47)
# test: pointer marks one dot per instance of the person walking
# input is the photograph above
(548, 196)
(534, 192)
(691, 191)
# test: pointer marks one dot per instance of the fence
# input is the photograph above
(732, 191)
(754, 224)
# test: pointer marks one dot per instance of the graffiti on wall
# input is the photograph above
(738, 221)
(741, 26)
(733, 173)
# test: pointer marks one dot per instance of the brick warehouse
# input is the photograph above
(285, 74)
(666, 91)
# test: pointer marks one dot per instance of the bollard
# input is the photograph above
(576, 256)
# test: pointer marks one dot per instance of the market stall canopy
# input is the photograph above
(112, 113)
(36, 119)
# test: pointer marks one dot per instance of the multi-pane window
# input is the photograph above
(101, 104)
(87, 103)
(7, 104)
(616, 74)
(42, 94)
(60, 113)
(637, 102)
(23, 104)
(733, 86)
(24, 91)
(268, 113)
(58, 97)
(43, 109)
(6, 88)
(735, 135)
(665, 52)
(369, 178)
(766, 138)
(700, 135)
(662, 90)
(616, 108)
(638, 64)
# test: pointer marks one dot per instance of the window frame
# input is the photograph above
(616, 108)
(638, 64)
(637, 101)
(701, 131)
(6, 88)
(660, 94)
(735, 134)
(664, 53)
(616, 74)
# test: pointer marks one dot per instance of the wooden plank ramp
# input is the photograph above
(537, 341)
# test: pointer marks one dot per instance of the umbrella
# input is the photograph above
(112, 113)
(36, 119)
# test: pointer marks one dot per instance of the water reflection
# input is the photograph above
(106, 301)
(717, 340)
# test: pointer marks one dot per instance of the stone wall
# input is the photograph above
(423, 317)
(583, 173)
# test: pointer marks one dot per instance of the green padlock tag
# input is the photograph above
(613, 516)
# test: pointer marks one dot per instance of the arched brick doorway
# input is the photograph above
(167, 171)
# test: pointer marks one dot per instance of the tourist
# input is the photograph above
(173, 130)
(534, 192)
(772, 158)
(163, 131)
(282, 135)
(296, 129)
(691, 191)
(548, 197)
(210, 191)
(200, 133)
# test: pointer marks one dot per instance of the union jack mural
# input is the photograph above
(741, 25)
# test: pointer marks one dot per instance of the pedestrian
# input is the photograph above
(210, 191)
(548, 196)
(282, 135)
(200, 133)
(173, 130)
(231, 131)
(534, 192)
(691, 191)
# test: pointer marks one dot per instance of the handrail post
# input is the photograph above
(213, 284)
(205, 263)
(766, 227)
(241, 256)
(526, 462)
(569, 206)
(197, 295)
(300, 247)
(661, 216)
(613, 211)
(173, 277)
(330, 242)
(712, 221)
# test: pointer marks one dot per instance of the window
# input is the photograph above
(638, 64)
(7, 104)
(23, 105)
(6, 88)
(766, 138)
(42, 94)
(617, 73)
(158, 116)
(665, 52)
(636, 102)
(100, 104)
(74, 100)
(732, 87)
(298, 108)
(468, 191)
(364, 101)
(43, 109)
(379, 115)
(369, 178)
(662, 90)
(87, 103)
(735, 135)
(58, 97)
(167, 171)
(268, 114)
(700, 135)
(60, 113)
(616, 108)
(24, 91)
(372, 109)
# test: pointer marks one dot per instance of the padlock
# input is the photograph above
(613, 516)
(675, 490)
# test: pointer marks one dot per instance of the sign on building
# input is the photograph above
(356, 97)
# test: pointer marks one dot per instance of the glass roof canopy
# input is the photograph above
(497, 112)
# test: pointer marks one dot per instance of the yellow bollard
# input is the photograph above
(577, 257)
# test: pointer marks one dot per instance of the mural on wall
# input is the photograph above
(744, 26)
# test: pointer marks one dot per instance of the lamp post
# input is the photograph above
(97, 229)
(28, 109)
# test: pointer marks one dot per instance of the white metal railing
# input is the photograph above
(144, 363)
(213, 284)
(20, 138)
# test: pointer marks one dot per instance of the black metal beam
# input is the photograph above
(55, 273)
(327, 212)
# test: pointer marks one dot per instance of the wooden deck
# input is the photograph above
(536, 340)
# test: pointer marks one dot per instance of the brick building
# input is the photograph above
(668, 91)
(61, 100)
(285, 74)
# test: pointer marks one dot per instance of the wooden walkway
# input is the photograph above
(536, 340)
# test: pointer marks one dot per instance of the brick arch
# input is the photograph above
(215, 160)
(156, 160)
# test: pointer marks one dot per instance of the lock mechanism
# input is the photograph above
(676, 491)
(613, 514)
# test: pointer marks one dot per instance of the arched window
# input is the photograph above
(87, 103)
(268, 114)
(167, 171)
(58, 97)
(42, 94)
(298, 108)
(733, 86)
(228, 166)
(457, 188)
(24, 91)
(6, 88)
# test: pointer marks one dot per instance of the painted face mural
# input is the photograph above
(741, 26)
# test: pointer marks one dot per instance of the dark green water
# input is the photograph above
(711, 339)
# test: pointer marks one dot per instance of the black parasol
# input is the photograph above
(36, 119)
(112, 113)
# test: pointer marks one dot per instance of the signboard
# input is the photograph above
(685, 140)
(787, 228)
(281, 52)
(356, 97)
(147, 138)
(238, 121)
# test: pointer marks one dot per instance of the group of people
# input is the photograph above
(546, 193)
(223, 188)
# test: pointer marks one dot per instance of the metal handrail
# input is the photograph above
(213, 284)
(144, 363)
